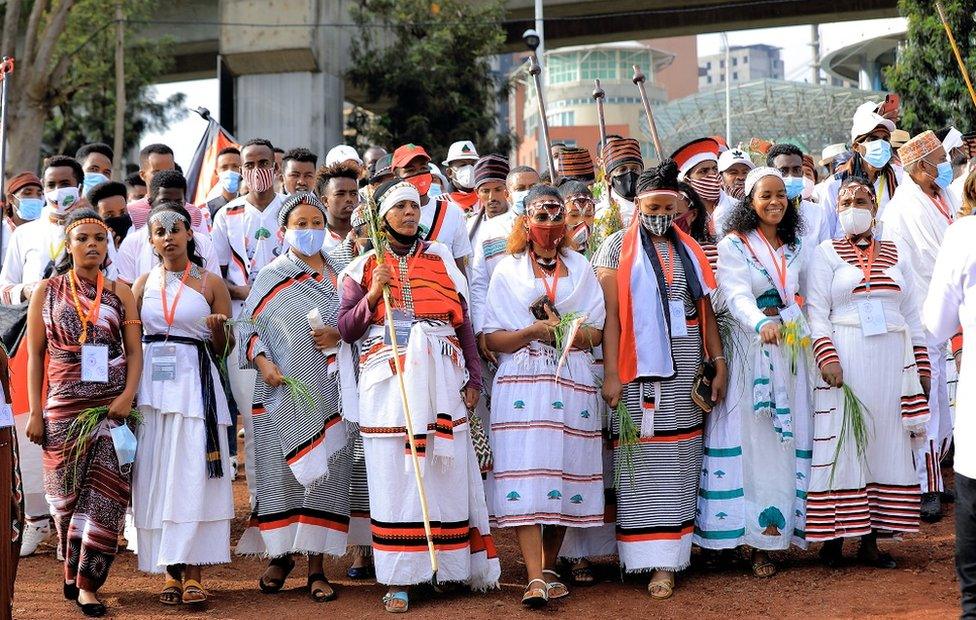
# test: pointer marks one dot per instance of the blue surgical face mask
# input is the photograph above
(29, 209)
(794, 186)
(230, 181)
(308, 241)
(877, 153)
(91, 180)
(125, 445)
(944, 177)
(518, 201)
(434, 191)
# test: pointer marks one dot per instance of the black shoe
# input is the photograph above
(92, 610)
(832, 553)
(931, 507)
(70, 591)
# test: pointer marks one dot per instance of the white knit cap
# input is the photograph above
(759, 173)
(398, 193)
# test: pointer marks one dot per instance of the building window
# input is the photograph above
(569, 143)
(599, 65)
(745, 60)
(708, 65)
(641, 59)
(563, 119)
(721, 78)
(735, 62)
(721, 64)
(563, 68)
(735, 75)
(709, 79)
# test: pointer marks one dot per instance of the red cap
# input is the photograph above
(695, 152)
(404, 154)
(21, 181)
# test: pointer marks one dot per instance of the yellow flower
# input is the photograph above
(805, 341)
(790, 338)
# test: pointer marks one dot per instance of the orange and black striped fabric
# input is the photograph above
(431, 287)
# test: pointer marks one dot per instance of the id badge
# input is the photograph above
(164, 363)
(402, 323)
(679, 327)
(793, 313)
(94, 363)
(872, 316)
(6, 415)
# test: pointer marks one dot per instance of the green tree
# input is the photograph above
(427, 72)
(62, 92)
(926, 74)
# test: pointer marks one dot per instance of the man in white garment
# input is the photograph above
(788, 159)
(439, 220)
(733, 165)
(459, 170)
(870, 157)
(949, 306)
(33, 250)
(916, 219)
(518, 183)
(246, 237)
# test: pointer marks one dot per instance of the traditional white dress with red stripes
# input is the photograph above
(854, 494)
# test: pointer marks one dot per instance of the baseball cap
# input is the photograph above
(732, 157)
(407, 152)
(867, 120)
(462, 150)
(342, 153)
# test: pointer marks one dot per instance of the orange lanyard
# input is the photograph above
(667, 266)
(551, 290)
(941, 206)
(778, 265)
(865, 263)
(169, 314)
(92, 316)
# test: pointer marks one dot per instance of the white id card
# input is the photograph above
(872, 316)
(6, 415)
(402, 324)
(164, 363)
(94, 363)
(679, 328)
(792, 313)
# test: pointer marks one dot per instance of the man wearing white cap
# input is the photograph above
(342, 153)
(733, 165)
(958, 155)
(459, 169)
(871, 158)
(828, 154)
(916, 219)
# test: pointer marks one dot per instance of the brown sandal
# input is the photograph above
(172, 592)
(193, 592)
(536, 597)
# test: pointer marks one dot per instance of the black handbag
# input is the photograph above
(13, 326)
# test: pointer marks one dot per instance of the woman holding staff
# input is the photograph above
(89, 327)
(442, 376)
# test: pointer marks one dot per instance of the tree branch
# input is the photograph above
(52, 32)
(33, 23)
(11, 20)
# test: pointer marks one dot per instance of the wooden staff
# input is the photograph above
(536, 71)
(9, 552)
(599, 96)
(955, 50)
(639, 80)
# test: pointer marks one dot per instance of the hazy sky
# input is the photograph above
(184, 135)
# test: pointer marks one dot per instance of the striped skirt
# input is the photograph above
(658, 482)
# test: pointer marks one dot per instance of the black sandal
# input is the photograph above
(272, 586)
(319, 594)
(70, 591)
(92, 610)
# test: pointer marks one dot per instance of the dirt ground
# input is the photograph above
(923, 586)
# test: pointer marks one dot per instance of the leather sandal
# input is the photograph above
(396, 602)
(320, 594)
(535, 598)
(557, 589)
(193, 592)
(271, 586)
(661, 589)
(172, 592)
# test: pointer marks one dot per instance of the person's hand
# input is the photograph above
(769, 333)
(833, 374)
(382, 276)
(486, 354)
(957, 358)
(216, 323)
(35, 428)
(27, 290)
(543, 330)
(325, 338)
(720, 382)
(611, 389)
(926, 385)
(471, 397)
(121, 407)
(270, 373)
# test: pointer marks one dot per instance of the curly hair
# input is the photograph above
(968, 195)
(744, 219)
(518, 239)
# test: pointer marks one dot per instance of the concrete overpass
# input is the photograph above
(282, 60)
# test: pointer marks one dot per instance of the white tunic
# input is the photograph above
(453, 231)
(488, 248)
(825, 194)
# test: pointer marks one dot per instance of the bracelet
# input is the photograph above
(131, 322)
(720, 357)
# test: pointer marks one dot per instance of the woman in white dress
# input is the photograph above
(866, 335)
(182, 498)
(545, 418)
(757, 442)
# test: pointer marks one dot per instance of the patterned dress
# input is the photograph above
(303, 451)
(89, 496)
(658, 483)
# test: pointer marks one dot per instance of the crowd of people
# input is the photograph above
(737, 348)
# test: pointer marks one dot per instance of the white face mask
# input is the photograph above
(464, 177)
(855, 221)
(807, 188)
(62, 198)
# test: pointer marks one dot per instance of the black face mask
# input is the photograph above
(120, 225)
(401, 238)
(625, 184)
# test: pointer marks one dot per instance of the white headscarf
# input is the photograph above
(398, 193)
(759, 173)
